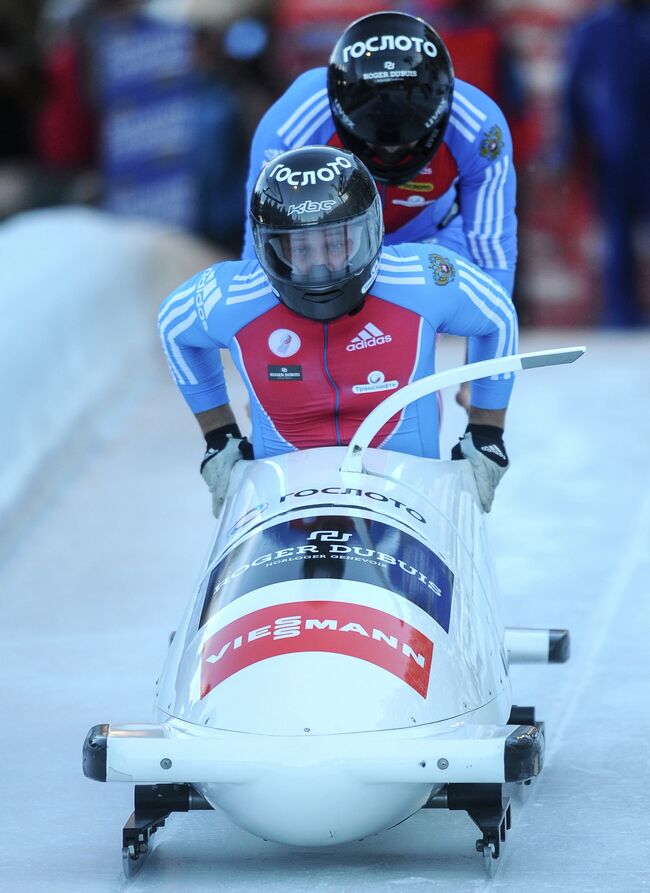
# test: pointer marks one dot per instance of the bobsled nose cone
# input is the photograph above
(305, 806)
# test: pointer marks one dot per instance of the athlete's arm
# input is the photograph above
(486, 185)
(193, 355)
(476, 306)
(210, 419)
(225, 447)
(495, 417)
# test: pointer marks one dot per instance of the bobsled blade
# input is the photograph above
(132, 863)
(138, 839)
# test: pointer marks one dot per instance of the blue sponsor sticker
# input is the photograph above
(334, 547)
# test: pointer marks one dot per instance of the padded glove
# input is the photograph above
(225, 448)
(483, 447)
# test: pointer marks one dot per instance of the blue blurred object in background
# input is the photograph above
(245, 39)
(607, 101)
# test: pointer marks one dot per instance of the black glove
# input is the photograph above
(484, 449)
(225, 447)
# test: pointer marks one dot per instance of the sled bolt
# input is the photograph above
(443, 763)
(165, 763)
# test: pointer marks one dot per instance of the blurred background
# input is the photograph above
(146, 108)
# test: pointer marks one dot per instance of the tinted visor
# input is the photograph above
(319, 257)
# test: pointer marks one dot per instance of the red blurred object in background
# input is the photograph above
(306, 31)
(65, 128)
(477, 50)
(559, 242)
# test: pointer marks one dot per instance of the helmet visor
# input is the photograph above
(319, 257)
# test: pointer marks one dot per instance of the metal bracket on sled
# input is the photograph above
(488, 804)
(489, 808)
(153, 804)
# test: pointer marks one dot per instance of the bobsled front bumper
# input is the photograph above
(175, 752)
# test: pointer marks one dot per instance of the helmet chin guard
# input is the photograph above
(390, 83)
(318, 230)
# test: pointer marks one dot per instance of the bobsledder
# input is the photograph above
(342, 663)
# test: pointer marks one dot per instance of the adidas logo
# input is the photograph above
(369, 336)
(493, 448)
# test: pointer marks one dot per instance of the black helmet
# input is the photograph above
(390, 82)
(318, 230)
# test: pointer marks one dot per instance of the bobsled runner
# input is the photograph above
(342, 664)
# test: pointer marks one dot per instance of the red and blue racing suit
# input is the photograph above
(464, 199)
(310, 383)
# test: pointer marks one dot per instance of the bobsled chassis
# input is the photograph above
(342, 664)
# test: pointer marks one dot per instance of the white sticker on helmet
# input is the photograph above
(401, 42)
(325, 174)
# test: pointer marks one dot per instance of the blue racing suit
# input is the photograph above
(311, 383)
(464, 199)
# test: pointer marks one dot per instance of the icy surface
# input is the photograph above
(96, 583)
(79, 295)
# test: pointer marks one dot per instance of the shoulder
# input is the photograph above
(309, 83)
(476, 102)
(183, 296)
(307, 87)
(403, 258)
(417, 271)
(402, 276)
(218, 292)
(303, 107)
(477, 126)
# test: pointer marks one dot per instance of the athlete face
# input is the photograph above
(314, 251)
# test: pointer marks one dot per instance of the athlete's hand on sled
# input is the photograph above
(225, 448)
(484, 449)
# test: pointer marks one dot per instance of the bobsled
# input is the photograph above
(342, 663)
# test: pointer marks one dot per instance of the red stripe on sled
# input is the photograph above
(336, 627)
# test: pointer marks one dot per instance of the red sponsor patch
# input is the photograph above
(336, 627)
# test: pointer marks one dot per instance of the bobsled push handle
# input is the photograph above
(370, 426)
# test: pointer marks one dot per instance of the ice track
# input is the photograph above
(97, 573)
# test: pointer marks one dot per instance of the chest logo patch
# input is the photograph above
(413, 186)
(492, 144)
(413, 201)
(284, 373)
(376, 382)
(443, 270)
(284, 342)
(369, 336)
